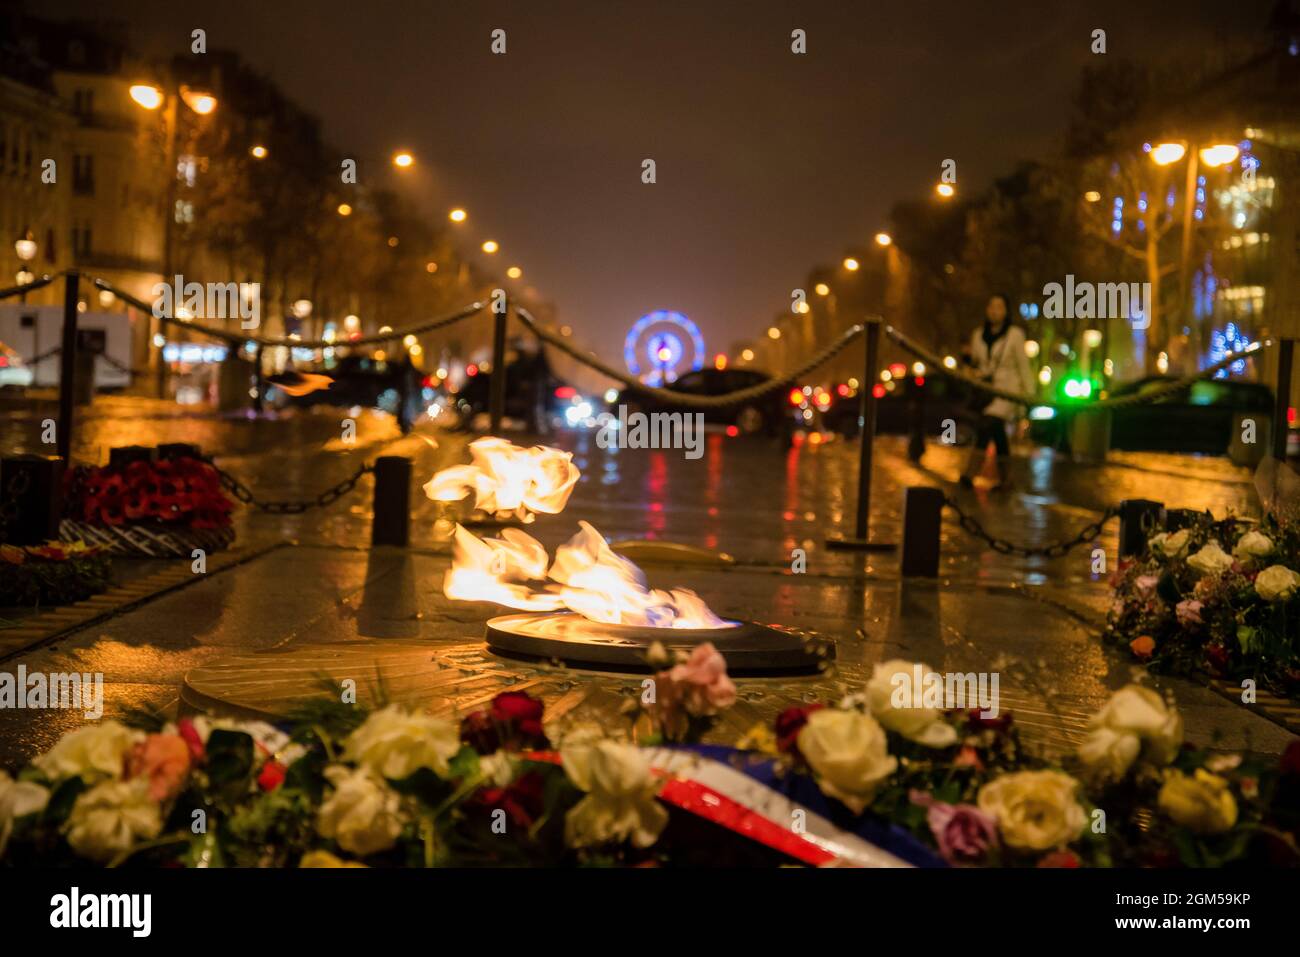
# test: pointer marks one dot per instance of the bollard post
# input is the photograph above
(31, 498)
(1282, 398)
(257, 381)
(922, 519)
(392, 501)
(1138, 518)
(497, 398)
(860, 540)
(68, 364)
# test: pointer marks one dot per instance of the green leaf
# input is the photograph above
(230, 758)
(464, 764)
(62, 799)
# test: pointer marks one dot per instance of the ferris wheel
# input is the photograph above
(661, 345)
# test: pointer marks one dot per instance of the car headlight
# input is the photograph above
(1041, 413)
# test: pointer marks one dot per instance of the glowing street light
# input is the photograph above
(345, 209)
(883, 239)
(1219, 155)
(747, 355)
(773, 332)
(514, 272)
(1166, 153)
(402, 159)
(147, 95)
(200, 101)
(490, 246)
(458, 215)
(1092, 196)
(851, 264)
(822, 289)
(259, 151)
(25, 246)
(945, 190)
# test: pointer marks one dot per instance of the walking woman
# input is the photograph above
(997, 351)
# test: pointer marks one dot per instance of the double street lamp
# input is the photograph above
(25, 249)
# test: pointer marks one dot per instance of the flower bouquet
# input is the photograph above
(865, 781)
(157, 509)
(56, 573)
(1216, 597)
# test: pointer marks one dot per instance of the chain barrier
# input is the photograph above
(1179, 385)
(26, 287)
(34, 360)
(1002, 546)
(288, 506)
(240, 337)
(685, 399)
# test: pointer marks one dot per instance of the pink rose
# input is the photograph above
(1146, 585)
(1189, 612)
(162, 758)
(963, 832)
(700, 686)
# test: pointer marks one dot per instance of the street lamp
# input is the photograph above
(883, 239)
(458, 215)
(514, 272)
(25, 248)
(259, 151)
(345, 209)
(490, 246)
(403, 159)
(851, 264)
(822, 289)
(1166, 153)
(945, 190)
(200, 101)
(147, 95)
(1219, 155)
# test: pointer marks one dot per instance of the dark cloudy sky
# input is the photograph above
(767, 162)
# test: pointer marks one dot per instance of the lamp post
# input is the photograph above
(151, 97)
(25, 248)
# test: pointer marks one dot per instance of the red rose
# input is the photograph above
(977, 720)
(1059, 859)
(1216, 659)
(789, 723)
(522, 801)
(185, 728)
(478, 730)
(271, 776)
(520, 711)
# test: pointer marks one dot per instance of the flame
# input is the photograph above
(298, 384)
(588, 578)
(507, 479)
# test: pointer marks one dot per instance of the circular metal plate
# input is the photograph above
(749, 647)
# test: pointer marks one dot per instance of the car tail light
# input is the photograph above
(796, 397)
(878, 390)
(920, 380)
(471, 370)
(733, 431)
(565, 392)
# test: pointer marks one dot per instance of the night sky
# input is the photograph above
(768, 162)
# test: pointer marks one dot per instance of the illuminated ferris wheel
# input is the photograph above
(661, 345)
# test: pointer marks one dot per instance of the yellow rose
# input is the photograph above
(1210, 560)
(362, 814)
(890, 697)
(1134, 720)
(1201, 803)
(326, 859)
(93, 752)
(1171, 544)
(620, 801)
(1252, 546)
(395, 742)
(111, 817)
(848, 752)
(1035, 810)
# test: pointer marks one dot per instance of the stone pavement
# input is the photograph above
(256, 636)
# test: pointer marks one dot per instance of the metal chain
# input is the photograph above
(34, 360)
(685, 399)
(288, 506)
(1002, 546)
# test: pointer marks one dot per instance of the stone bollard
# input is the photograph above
(1138, 518)
(1090, 436)
(392, 505)
(1257, 427)
(922, 518)
(124, 455)
(31, 498)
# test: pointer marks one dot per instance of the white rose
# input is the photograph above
(18, 799)
(1171, 544)
(1210, 560)
(498, 769)
(923, 725)
(1252, 545)
(848, 752)
(362, 814)
(1035, 810)
(93, 752)
(1134, 720)
(111, 817)
(1276, 583)
(620, 800)
(395, 742)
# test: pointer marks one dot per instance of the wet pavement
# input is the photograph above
(330, 606)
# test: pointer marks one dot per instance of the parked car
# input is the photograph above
(534, 396)
(768, 414)
(936, 399)
(390, 385)
(13, 370)
(1196, 420)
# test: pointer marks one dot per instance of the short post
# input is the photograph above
(497, 397)
(68, 364)
(258, 385)
(1282, 397)
(922, 519)
(31, 498)
(392, 501)
(861, 526)
(1138, 518)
